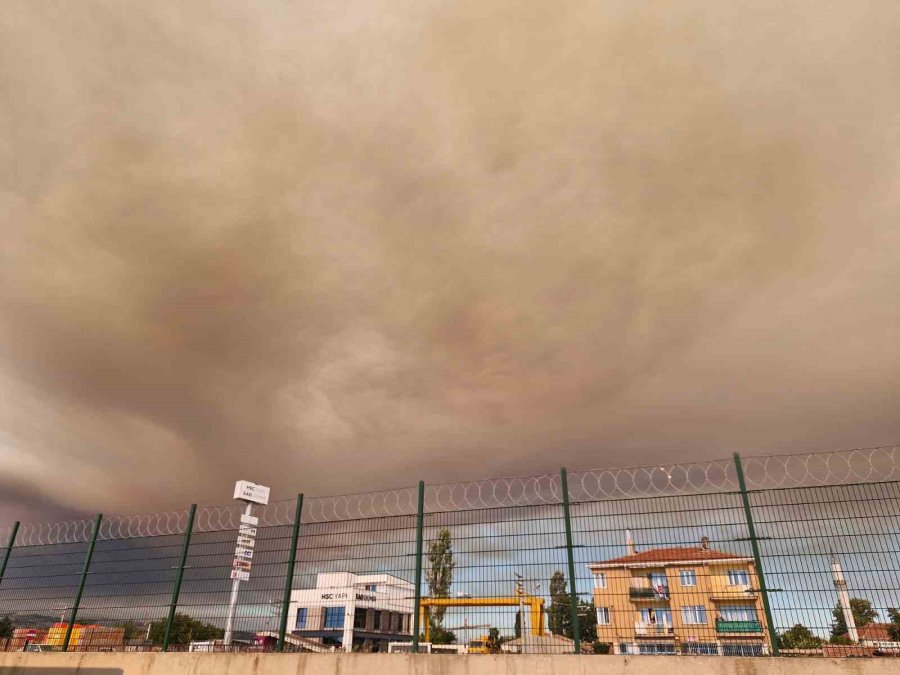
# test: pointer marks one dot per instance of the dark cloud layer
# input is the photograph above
(343, 247)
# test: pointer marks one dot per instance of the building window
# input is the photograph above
(656, 648)
(738, 578)
(302, 613)
(700, 648)
(688, 577)
(599, 580)
(372, 588)
(359, 618)
(742, 649)
(603, 615)
(738, 613)
(661, 616)
(693, 615)
(334, 617)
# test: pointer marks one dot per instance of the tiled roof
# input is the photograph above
(664, 555)
(877, 632)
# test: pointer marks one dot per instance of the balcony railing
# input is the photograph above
(738, 626)
(648, 593)
(653, 629)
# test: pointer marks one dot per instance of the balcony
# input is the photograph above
(647, 592)
(653, 630)
(738, 626)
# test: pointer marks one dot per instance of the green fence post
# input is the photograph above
(748, 515)
(573, 602)
(176, 590)
(419, 528)
(9, 546)
(289, 581)
(84, 573)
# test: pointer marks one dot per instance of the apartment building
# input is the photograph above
(686, 600)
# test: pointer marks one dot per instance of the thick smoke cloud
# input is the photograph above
(339, 247)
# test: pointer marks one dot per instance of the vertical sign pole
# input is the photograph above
(232, 601)
(573, 601)
(748, 514)
(9, 547)
(419, 523)
(289, 581)
(176, 591)
(84, 573)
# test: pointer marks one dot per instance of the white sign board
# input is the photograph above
(244, 553)
(247, 531)
(240, 575)
(249, 520)
(251, 492)
(241, 565)
(247, 542)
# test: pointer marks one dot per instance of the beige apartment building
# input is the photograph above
(687, 600)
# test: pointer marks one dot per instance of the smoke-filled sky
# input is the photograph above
(336, 247)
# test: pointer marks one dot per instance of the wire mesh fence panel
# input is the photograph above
(206, 605)
(126, 594)
(494, 599)
(667, 575)
(37, 593)
(354, 585)
(827, 548)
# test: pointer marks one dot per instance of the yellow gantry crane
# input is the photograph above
(536, 611)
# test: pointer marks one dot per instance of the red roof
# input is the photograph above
(664, 555)
(877, 632)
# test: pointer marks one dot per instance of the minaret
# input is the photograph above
(837, 575)
(629, 543)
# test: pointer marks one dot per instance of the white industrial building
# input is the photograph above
(367, 610)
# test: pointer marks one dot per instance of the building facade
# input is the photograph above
(688, 600)
(363, 611)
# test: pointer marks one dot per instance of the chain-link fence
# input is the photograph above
(776, 556)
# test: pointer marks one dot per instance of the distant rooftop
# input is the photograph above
(685, 554)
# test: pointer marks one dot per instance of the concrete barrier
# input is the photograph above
(409, 664)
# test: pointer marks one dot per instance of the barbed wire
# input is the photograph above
(839, 467)
(653, 481)
(860, 465)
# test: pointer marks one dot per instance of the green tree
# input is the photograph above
(601, 647)
(587, 621)
(494, 641)
(440, 573)
(560, 616)
(132, 630)
(863, 614)
(441, 636)
(6, 627)
(799, 637)
(558, 613)
(185, 629)
(893, 628)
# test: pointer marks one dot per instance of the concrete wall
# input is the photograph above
(407, 664)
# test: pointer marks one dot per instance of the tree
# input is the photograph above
(517, 629)
(863, 614)
(558, 612)
(587, 621)
(799, 637)
(132, 630)
(494, 641)
(440, 573)
(893, 627)
(6, 627)
(441, 636)
(560, 616)
(185, 629)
